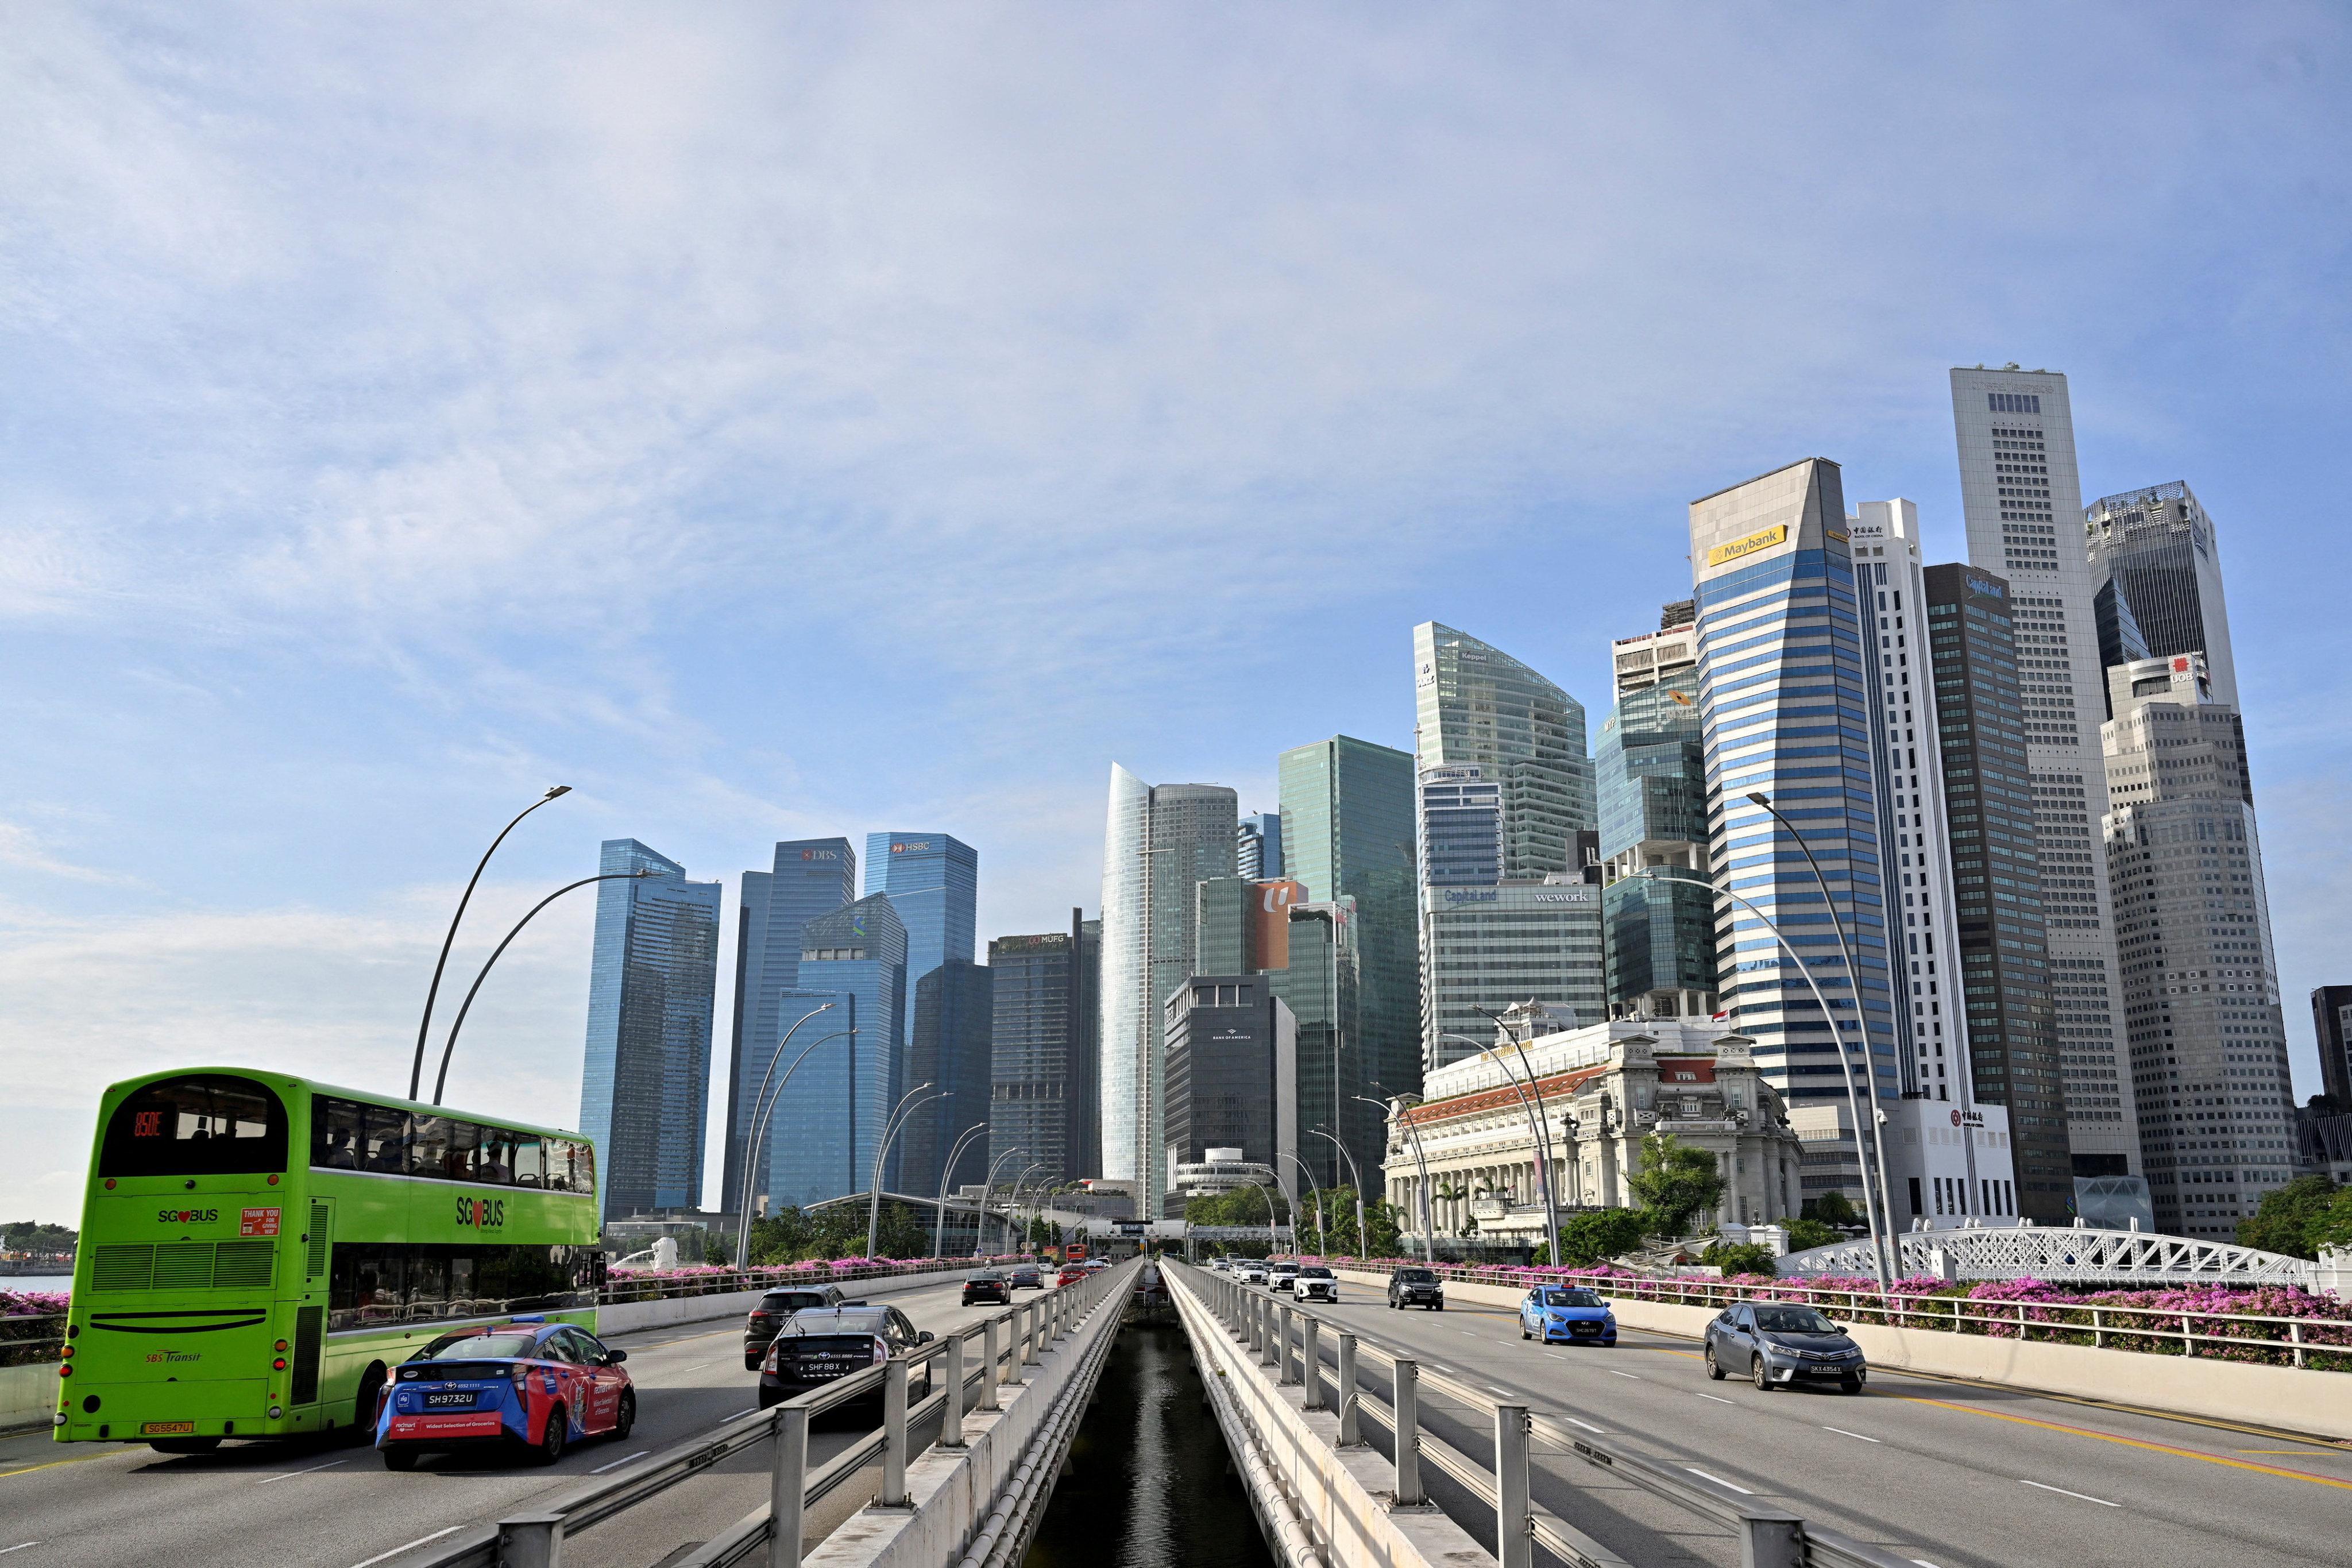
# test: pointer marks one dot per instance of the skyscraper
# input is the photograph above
(1259, 848)
(1040, 1067)
(1786, 712)
(811, 877)
(828, 1122)
(2158, 548)
(1651, 768)
(933, 883)
(2331, 1019)
(2021, 494)
(651, 988)
(2201, 1003)
(1475, 705)
(1159, 842)
(1348, 832)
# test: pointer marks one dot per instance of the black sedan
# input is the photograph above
(817, 1347)
(774, 1307)
(986, 1286)
(1777, 1344)
(1027, 1277)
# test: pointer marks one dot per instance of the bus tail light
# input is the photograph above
(278, 1364)
(66, 1370)
(280, 1346)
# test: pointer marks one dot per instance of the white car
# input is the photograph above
(1316, 1283)
(1250, 1271)
(1282, 1274)
(1221, 1263)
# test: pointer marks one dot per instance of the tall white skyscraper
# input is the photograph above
(1158, 844)
(2200, 973)
(2021, 498)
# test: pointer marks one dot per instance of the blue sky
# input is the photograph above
(783, 421)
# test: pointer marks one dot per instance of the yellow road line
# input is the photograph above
(2132, 1442)
(53, 1464)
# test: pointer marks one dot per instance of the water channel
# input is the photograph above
(1149, 1483)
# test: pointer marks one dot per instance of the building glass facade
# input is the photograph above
(1474, 705)
(1348, 832)
(1224, 1091)
(1786, 711)
(2157, 549)
(1039, 1066)
(1257, 846)
(1159, 842)
(829, 1118)
(645, 1080)
(948, 1047)
(1651, 768)
(811, 877)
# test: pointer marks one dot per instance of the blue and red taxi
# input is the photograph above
(526, 1385)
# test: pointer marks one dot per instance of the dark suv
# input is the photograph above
(773, 1309)
(1416, 1288)
(824, 1343)
(1779, 1344)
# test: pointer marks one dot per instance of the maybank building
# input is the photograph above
(1785, 713)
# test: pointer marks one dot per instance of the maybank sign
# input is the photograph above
(1766, 540)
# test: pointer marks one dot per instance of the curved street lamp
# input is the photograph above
(424, 1025)
(449, 1046)
(1358, 1178)
(1012, 1204)
(939, 1207)
(764, 1112)
(1413, 1135)
(1543, 1126)
(891, 1131)
(1870, 1206)
(988, 1186)
(1320, 1230)
(1540, 1145)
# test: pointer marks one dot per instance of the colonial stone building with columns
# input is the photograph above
(1602, 1090)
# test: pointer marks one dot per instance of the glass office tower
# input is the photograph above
(2158, 547)
(811, 877)
(828, 1120)
(933, 883)
(1040, 1066)
(1786, 711)
(1474, 705)
(651, 987)
(1157, 843)
(1258, 846)
(1348, 831)
(933, 880)
(1650, 767)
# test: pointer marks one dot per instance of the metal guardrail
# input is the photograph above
(2322, 1342)
(1010, 1340)
(619, 1289)
(1286, 1338)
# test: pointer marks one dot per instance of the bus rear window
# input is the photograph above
(202, 1124)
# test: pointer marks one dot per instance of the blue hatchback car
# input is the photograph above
(1566, 1314)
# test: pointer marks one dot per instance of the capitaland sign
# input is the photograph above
(1983, 589)
(1765, 539)
(1471, 895)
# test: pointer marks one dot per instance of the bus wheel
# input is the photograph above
(552, 1441)
(363, 1406)
(185, 1445)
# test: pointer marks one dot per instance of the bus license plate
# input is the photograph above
(436, 1399)
(167, 1428)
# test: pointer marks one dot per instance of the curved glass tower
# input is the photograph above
(1476, 706)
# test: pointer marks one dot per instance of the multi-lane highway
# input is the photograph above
(1943, 1472)
(315, 1506)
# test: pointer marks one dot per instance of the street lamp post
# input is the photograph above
(1012, 1204)
(441, 1080)
(764, 1112)
(891, 1131)
(1860, 1018)
(1543, 1124)
(1321, 1231)
(1540, 1145)
(988, 1186)
(1412, 1134)
(1358, 1178)
(940, 1209)
(1869, 1204)
(424, 1025)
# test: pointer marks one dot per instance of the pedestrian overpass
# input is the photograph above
(2071, 1253)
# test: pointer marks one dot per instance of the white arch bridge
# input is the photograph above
(2076, 1253)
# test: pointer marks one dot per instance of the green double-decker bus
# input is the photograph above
(257, 1249)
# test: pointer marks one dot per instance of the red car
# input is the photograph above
(526, 1385)
(1071, 1274)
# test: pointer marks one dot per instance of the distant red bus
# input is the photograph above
(1073, 1252)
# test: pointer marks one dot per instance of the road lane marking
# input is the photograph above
(1718, 1399)
(1719, 1480)
(1614, 1373)
(1844, 1433)
(1504, 1392)
(2061, 1491)
(385, 1556)
(2133, 1442)
(739, 1416)
(618, 1463)
(18, 1547)
(314, 1469)
(1586, 1425)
